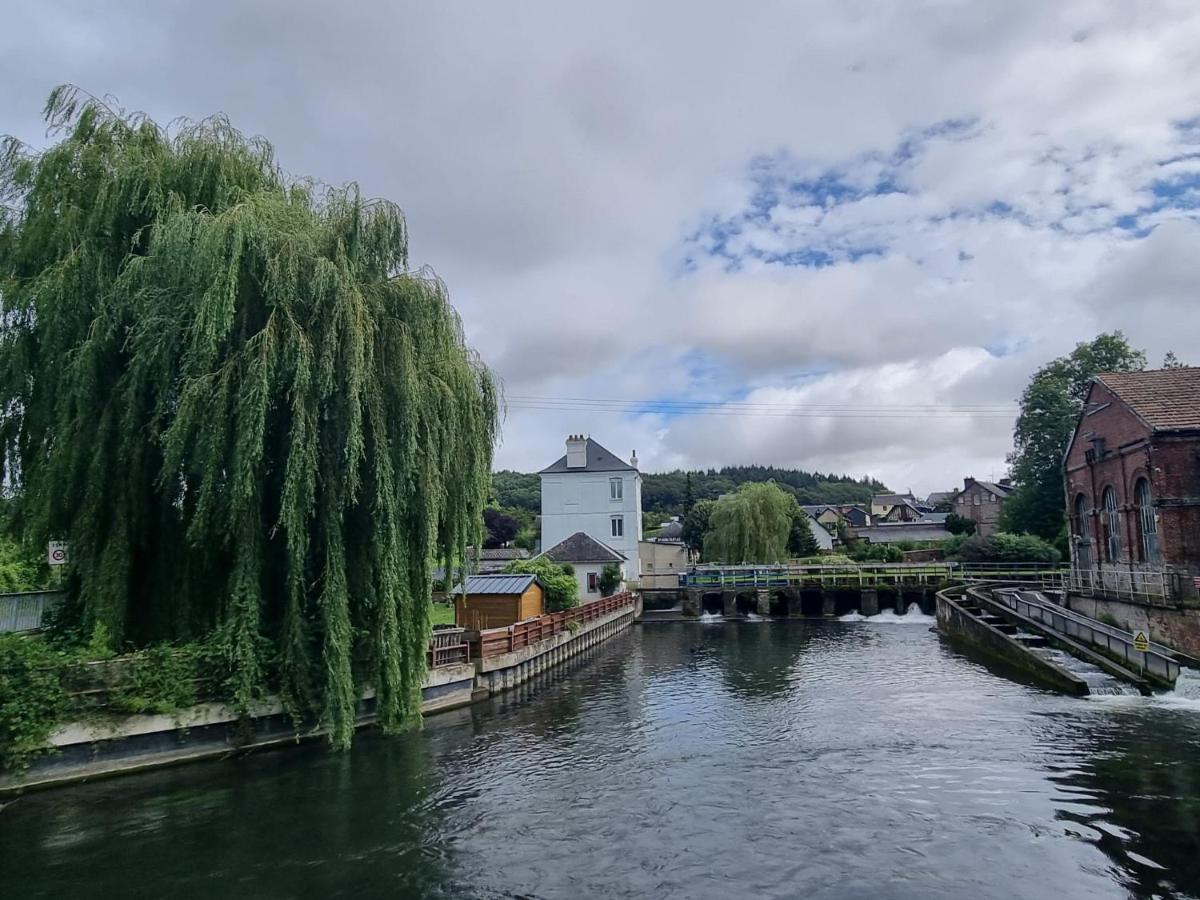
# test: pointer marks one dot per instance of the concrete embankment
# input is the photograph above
(106, 745)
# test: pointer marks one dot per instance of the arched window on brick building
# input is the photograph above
(1147, 525)
(1083, 533)
(1112, 526)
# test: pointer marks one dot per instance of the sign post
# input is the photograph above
(1141, 643)
(56, 553)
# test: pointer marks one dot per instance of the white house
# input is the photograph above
(588, 557)
(592, 490)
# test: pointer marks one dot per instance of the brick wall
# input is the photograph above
(1132, 451)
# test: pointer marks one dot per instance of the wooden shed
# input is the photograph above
(494, 601)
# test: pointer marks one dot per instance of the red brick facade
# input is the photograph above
(1133, 493)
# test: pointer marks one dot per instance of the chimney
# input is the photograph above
(967, 482)
(1005, 482)
(633, 459)
(576, 451)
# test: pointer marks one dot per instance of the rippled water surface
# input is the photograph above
(797, 759)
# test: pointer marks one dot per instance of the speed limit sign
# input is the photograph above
(56, 553)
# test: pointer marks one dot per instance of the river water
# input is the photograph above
(772, 759)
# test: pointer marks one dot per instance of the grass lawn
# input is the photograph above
(442, 614)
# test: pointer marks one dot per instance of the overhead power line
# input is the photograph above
(763, 409)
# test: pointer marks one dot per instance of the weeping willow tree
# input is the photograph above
(227, 389)
(751, 525)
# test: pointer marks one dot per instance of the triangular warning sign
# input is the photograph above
(1140, 641)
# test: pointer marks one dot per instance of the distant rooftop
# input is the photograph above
(582, 548)
(497, 584)
(598, 460)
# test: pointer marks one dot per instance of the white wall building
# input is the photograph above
(592, 490)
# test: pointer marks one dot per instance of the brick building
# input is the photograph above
(982, 501)
(1133, 485)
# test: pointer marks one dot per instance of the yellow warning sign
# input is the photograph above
(1141, 642)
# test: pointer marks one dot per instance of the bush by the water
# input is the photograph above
(32, 698)
(1003, 547)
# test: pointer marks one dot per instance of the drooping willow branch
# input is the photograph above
(227, 389)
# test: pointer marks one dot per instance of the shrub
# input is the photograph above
(32, 698)
(956, 524)
(1003, 547)
(562, 590)
(610, 579)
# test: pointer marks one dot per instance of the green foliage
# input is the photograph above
(695, 524)
(956, 524)
(801, 540)
(1050, 407)
(1003, 547)
(562, 590)
(21, 569)
(228, 390)
(32, 698)
(751, 525)
(864, 552)
(441, 614)
(522, 490)
(610, 579)
(1171, 361)
(160, 679)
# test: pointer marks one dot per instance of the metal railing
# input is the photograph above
(868, 575)
(495, 641)
(1150, 587)
(1157, 660)
(25, 611)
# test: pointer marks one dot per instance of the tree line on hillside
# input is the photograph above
(673, 493)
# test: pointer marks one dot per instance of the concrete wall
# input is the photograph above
(1176, 628)
(581, 501)
(965, 630)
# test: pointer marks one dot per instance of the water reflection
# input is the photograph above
(773, 760)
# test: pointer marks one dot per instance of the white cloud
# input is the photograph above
(552, 159)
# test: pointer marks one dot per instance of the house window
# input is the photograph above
(1147, 524)
(1112, 525)
(615, 489)
(1083, 532)
(593, 582)
(617, 523)
(975, 500)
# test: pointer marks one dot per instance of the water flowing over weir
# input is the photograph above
(793, 758)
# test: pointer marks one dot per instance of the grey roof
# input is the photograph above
(892, 534)
(941, 497)
(933, 518)
(503, 553)
(893, 499)
(497, 584)
(598, 460)
(670, 531)
(1000, 490)
(582, 548)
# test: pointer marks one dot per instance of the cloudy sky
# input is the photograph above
(832, 235)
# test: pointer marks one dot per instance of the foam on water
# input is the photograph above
(711, 617)
(913, 616)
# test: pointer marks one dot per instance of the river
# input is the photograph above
(766, 759)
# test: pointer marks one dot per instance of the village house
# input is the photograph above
(895, 508)
(662, 560)
(592, 490)
(588, 557)
(1133, 486)
(982, 501)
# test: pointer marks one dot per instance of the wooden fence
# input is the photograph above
(448, 647)
(495, 641)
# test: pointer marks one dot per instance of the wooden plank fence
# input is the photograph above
(495, 641)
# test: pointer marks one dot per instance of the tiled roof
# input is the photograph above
(908, 531)
(497, 584)
(598, 460)
(582, 548)
(503, 553)
(1168, 399)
